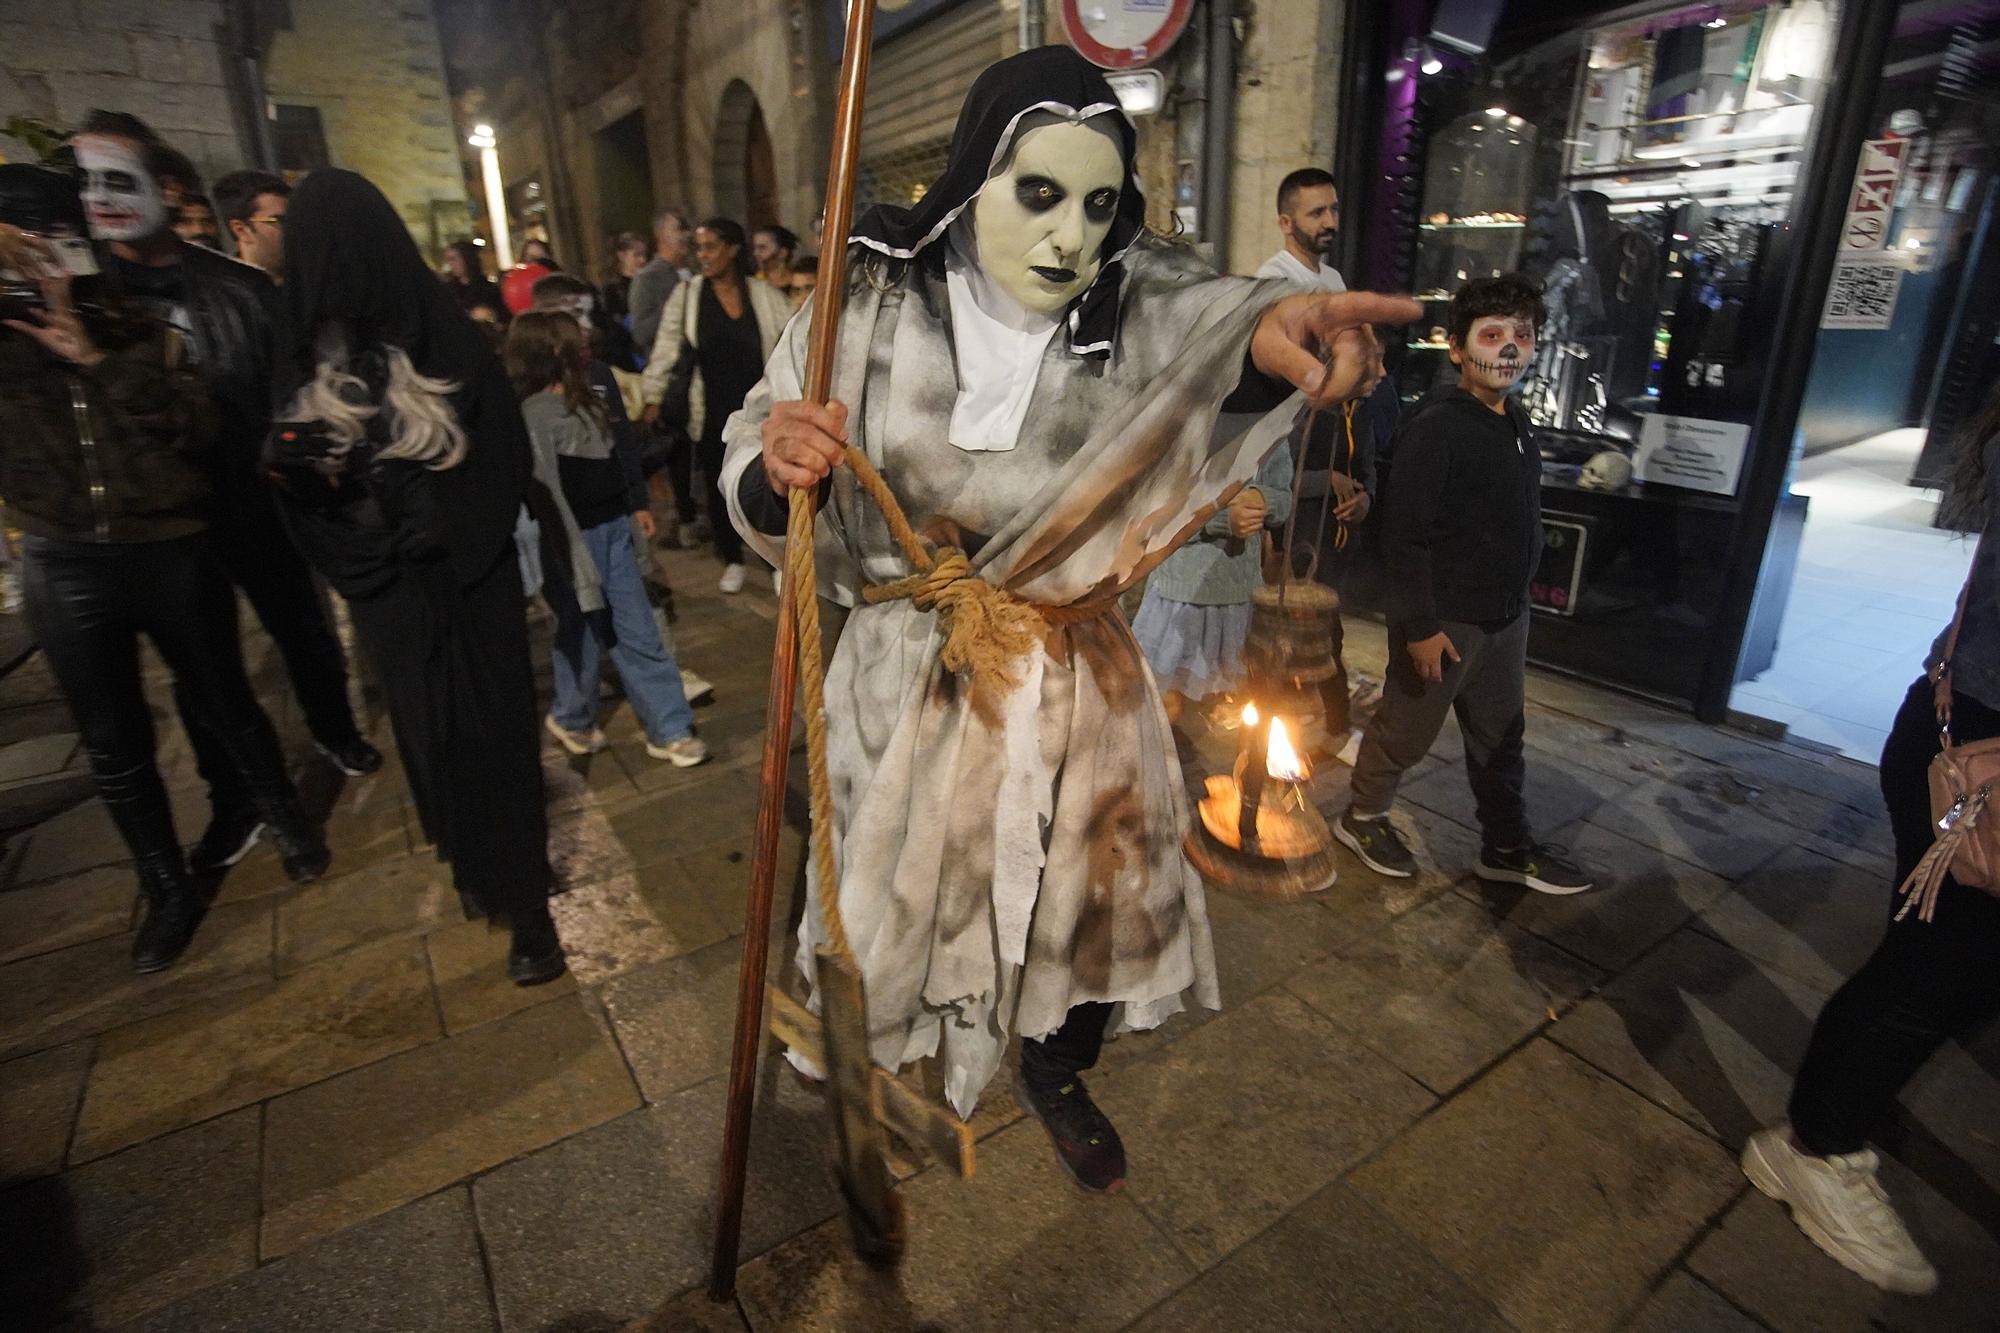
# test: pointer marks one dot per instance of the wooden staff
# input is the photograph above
(828, 299)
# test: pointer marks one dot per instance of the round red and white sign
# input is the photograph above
(1122, 34)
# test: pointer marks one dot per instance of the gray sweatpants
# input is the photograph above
(1484, 687)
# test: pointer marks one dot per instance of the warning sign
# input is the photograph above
(1875, 180)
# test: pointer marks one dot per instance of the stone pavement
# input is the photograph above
(1427, 1105)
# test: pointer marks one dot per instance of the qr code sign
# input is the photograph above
(1863, 294)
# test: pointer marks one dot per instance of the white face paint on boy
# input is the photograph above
(1495, 352)
(1040, 222)
(121, 199)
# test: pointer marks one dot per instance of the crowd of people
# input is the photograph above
(326, 411)
(438, 446)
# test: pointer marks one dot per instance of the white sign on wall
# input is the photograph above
(1862, 294)
(1692, 452)
(1874, 194)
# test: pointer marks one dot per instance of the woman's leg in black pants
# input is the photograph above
(78, 602)
(1925, 983)
(728, 544)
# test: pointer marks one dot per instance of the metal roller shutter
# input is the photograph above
(916, 83)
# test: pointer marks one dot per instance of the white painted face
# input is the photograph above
(1040, 222)
(1496, 351)
(121, 199)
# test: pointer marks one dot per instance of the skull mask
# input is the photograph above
(1495, 352)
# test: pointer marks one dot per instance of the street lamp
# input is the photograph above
(483, 139)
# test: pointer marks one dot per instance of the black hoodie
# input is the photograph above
(1461, 514)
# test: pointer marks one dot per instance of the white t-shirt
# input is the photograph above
(1288, 266)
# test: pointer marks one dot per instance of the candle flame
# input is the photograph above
(1249, 715)
(1281, 761)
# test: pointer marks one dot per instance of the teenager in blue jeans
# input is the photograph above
(594, 586)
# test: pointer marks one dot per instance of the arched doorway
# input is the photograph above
(746, 177)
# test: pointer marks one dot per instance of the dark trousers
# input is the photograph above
(1048, 1064)
(1926, 981)
(88, 605)
(728, 544)
(1485, 688)
(679, 455)
(263, 562)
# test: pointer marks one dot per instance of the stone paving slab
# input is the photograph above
(675, 1019)
(468, 963)
(1334, 1264)
(1016, 1247)
(1686, 1305)
(79, 839)
(1806, 915)
(1641, 897)
(1702, 1031)
(1232, 1126)
(1726, 838)
(197, 1062)
(58, 997)
(416, 1270)
(54, 915)
(605, 1227)
(39, 1095)
(132, 1232)
(37, 756)
(407, 896)
(1553, 1191)
(1443, 990)
(358, 1145)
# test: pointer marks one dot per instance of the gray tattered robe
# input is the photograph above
(1002, 860)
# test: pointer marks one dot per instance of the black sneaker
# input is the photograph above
(1378, 845)
(535, 955)
(1086, 1143)
(301, 846)
(229, 837)
(356, 758)
(1541, 866)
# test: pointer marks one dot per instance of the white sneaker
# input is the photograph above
(778, 582)
(683, 753)
(696, 686)
(732, 579)
(1842, 1209)
(576, 742)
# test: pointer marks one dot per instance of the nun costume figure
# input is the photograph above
(1065, 398)
(401, 466)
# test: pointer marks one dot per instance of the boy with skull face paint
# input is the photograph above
(1066, 399)
(1461, 536)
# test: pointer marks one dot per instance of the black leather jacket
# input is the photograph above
(231, 307)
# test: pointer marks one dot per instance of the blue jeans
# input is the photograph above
(626, 626)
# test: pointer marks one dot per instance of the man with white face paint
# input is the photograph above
(1065, 399)
(224, 310)
(1461, 537)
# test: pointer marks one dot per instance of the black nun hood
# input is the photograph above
(1054, 79)
(349, 259)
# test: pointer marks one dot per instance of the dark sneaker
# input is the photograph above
(535, 956)
(301, 846)
(1086, 1143)
(356, 758)
(1541, 866)
(1378, 845)
(229, 837)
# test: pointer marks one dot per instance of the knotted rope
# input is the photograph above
(987, 631)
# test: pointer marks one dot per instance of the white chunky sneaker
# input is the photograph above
(683, 753)
(1842, 1209)
(696, 686)
(576, 742)
(732, 579)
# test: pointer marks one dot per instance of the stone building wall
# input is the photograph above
(158, 59)
(374, 70)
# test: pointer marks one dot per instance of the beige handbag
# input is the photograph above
(1962, 782)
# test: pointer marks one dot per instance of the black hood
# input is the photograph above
(349, 260)
(1054, 79)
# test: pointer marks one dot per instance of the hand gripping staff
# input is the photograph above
(861, 1098)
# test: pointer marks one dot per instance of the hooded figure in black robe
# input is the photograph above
(403, 462)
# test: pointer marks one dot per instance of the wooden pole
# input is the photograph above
(828, 299)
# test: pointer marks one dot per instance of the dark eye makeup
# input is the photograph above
(1038, 194)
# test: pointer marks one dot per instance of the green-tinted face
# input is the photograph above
(1041, 220)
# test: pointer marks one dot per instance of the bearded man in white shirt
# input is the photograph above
(1309, 219)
